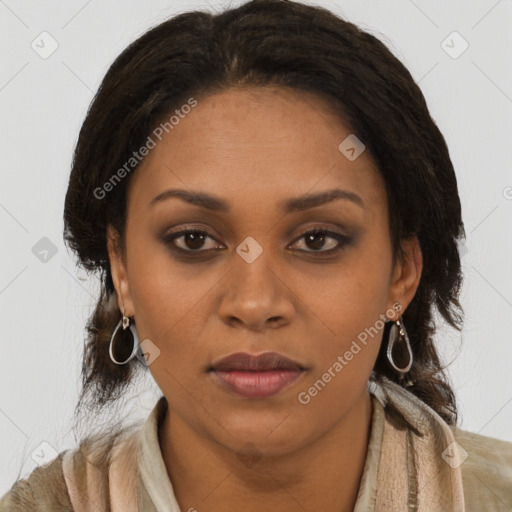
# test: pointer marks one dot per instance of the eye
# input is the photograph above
(189, 240)
(316, 239)
(194, 241)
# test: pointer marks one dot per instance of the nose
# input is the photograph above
(256, 296)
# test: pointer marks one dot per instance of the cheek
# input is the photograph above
(168, 305)
(352, 297)
(351, 319)
(160, 289)
(346, 353)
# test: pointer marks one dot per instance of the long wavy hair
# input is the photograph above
(287, 44)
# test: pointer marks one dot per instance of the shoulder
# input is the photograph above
(75, 477)
(44, 489)
(486, 471)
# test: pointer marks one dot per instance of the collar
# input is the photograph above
(153, 477)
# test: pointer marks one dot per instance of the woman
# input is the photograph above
(275, 217)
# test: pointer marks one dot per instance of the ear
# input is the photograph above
(119, 274)
(406, 277)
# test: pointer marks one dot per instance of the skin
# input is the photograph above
(255, 148)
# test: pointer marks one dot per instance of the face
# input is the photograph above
(255, 279)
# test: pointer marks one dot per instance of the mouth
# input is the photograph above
(259, 376)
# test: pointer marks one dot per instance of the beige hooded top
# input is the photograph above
(415, 462)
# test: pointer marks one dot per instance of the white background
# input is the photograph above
(44, 306)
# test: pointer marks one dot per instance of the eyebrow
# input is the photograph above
(296, 204)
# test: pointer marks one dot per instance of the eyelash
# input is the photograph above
(342, 239)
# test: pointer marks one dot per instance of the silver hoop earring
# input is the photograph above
(397, 333)
(132, 333)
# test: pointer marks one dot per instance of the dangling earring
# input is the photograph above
(398, 334)
(132, 333)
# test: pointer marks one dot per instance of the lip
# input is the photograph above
(261, 362)
(256, 376)
(259, 384)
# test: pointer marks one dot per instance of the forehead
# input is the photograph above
(275, 142)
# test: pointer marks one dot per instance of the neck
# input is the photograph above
(322, 476)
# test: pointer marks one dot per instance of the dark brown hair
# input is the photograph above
(286, 44)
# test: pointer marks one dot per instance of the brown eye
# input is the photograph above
(321, 241)
(190, 240)
(316, 240)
